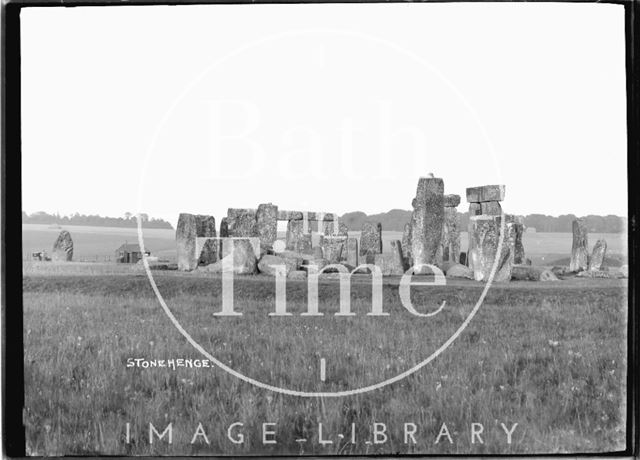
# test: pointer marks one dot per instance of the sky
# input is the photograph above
(332, 108)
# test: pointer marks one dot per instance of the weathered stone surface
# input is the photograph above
(329, 229)
(519, 254)
(580, 247)
(311, 216)
(243, 261)
(297, 239)
(267, 225)
(559, 270)
(594, 274)
(267, 262)
(297, 275)
(427, 223)
(318, 253)
(485, 193)
(351, 251)
(62, 247)
(530, 273)
(451, 201)
(242, 222)
(224, 228)
(208, 250)
(333, 248)
(406, 242)
(371, 239)
(597, 256)
(186, 233)
(484, 236)
(459, 271)
(393, 262)
(475, 209)
(491, 208)
(451, 235)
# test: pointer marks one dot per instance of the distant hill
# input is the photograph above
(93, 220)
(395, 219)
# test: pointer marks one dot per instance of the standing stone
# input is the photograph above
(474, 209)
(206, 227)
(296, 239)
(63, 247)
(351, 248)
(392, 263)
(519, 255)
(267, 225)
(427, 223)
(484, 236)
(597, 256)
(224, 228)
(333, 249)
(242, 262)
(189, 228)
(406, 242)
(371, 240)
(329, 229)
(186, 232)
(451, 235)
(579, 248)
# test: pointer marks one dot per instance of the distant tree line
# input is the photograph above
(396, 218)
(94, 220)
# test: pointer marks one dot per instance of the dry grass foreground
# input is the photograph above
(551, 358)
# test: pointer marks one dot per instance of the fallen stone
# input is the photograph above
(318, 263)
(530, 273)
(579, 248)
(267, 263)
(594, 274)
(427, 223)
(458, 271)
(597, 256)
(485, 193)
(559, 270)
(63, 247)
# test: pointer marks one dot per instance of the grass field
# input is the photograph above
(550, 357)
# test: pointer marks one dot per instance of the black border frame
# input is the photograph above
(13, 435)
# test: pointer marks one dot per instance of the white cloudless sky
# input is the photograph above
(336, 108)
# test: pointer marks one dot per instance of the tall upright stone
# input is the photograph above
(391, 263)
(370, 241)
(451, 229)
(406, 242)
(519, 256)
(267, 225)
(186, 233)
(189, 228)
(580, 247)
(206, 227)
(483, 201)
(351, 251)
(597, 256)
(297, 239)
(63, 247)
(485, 250)
(427, 223)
